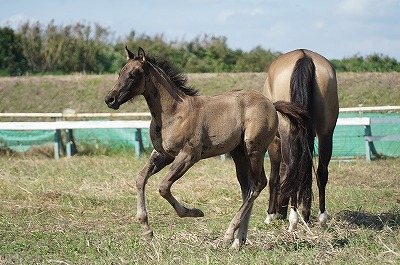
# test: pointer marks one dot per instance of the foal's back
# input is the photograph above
(234, 117)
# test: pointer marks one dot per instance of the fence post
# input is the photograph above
(57, 139)
(138, 142)
(369, 144)
(68, 142)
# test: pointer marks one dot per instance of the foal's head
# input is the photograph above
(131, 80)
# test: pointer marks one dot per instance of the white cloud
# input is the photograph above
(279, 30)
(14, 21)
(319, 24)
(225, 15)
(366, 8)
(254, 12)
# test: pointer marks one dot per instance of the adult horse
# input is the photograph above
(307, 78)
(186, 127)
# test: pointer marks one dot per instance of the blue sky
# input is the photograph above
(336, 29)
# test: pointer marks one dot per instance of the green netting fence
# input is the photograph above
(348, 140)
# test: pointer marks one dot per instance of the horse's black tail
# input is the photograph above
(301, 139)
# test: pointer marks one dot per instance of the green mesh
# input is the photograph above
(348, 140)
(112, 138)
(21, 141)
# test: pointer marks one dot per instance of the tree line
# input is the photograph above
(35, 48)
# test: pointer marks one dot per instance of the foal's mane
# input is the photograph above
(176, 76)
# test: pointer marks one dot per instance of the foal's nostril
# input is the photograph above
(110, 100)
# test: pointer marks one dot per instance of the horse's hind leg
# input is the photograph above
(325, 154)
(155, 163)
(293, 216)
(179, 167)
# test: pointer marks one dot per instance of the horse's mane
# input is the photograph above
(176, 76)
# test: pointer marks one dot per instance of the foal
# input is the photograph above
(187, 127)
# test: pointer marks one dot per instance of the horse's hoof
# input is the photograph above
(292, 228)
(293, 220)
(270, 218)
(148, 235)
(323, 219)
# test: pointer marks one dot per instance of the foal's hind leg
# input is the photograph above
(242, 174)
(325, 154)
(257, 182)
(287, 168)
(156, 162)
(274, 151)
(179, 167)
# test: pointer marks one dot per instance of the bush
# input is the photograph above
(88, 48)
(12, 60)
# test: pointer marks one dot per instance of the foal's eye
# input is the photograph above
(133, 75)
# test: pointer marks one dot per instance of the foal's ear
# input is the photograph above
(129, 54)
(141, 55)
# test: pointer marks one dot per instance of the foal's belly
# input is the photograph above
(218, 144)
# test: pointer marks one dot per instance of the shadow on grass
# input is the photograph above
(374, 221)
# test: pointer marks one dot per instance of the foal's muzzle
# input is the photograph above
(112, 101)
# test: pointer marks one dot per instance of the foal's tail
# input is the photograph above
(294, 112)
(301, 139)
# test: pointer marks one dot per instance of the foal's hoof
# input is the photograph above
(236, 244)
(182, 211)
(148, 235)
(194, 212)
(197, 212)
(228, 239)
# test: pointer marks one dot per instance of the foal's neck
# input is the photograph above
(160, 102)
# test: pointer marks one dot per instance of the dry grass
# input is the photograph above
(85, 93)
(82, 210)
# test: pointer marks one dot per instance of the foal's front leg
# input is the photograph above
(183, 161)
(156, 162)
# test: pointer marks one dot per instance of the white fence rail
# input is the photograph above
(60, 115)
(60, 124)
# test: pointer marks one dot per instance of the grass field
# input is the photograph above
(85, 93)
(82, 211)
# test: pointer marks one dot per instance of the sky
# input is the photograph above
(336, 29)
